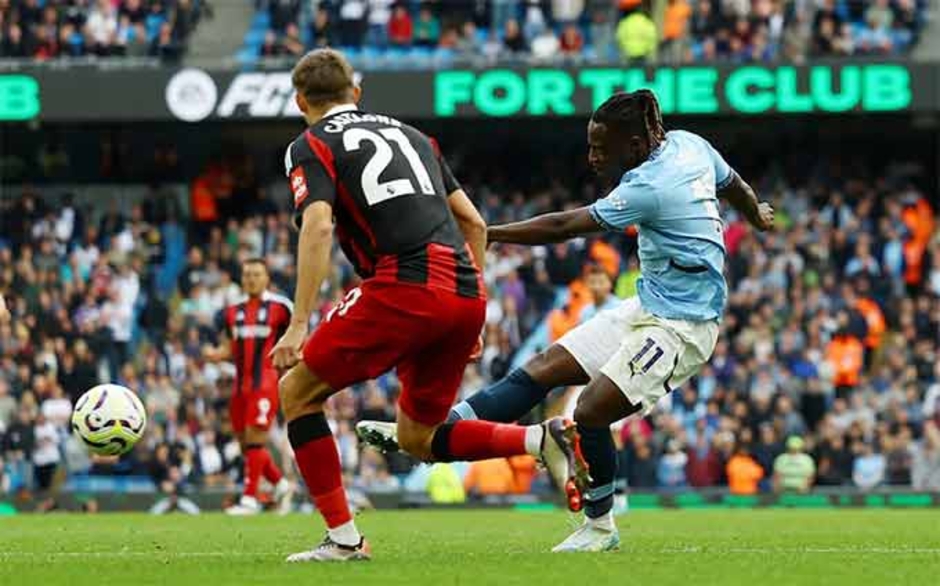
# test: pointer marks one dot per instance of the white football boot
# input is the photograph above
(330, 551)
(595, 535)
(246, 506)
(381, 435)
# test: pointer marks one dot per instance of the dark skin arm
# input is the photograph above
(742, 197)
(561, 226)
(546, 229)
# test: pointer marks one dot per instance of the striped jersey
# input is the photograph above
(388, 185)
(254, 325)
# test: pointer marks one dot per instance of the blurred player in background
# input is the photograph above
(413, 235)
(248, 331)
(4, 312)
(634, 354)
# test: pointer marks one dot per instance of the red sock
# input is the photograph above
(318, 460)
(254, 466)
(270, 471)
(481, 440)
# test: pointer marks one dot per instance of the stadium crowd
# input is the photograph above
(51, 29)
(825, 372)
(671, 31)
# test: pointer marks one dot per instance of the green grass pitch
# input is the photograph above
(691, 548)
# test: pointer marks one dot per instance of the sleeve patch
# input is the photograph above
(298, 185)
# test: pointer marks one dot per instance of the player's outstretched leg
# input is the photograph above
(555, 442)
(302, 396)
(505, 401)
(600, 404)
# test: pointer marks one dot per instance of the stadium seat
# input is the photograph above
(247, 55)
(261, 20)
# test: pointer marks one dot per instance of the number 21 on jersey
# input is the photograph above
(376, 191)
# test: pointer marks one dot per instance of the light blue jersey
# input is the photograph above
(671, 198)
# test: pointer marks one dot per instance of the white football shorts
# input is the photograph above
(644, 355)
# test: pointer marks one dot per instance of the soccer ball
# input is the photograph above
(109, 419)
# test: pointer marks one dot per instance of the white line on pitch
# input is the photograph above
(668, 550)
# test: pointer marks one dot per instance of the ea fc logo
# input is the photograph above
(191, 95)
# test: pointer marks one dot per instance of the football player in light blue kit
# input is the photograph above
(630, 356)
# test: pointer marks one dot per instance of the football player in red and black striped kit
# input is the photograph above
(248, 330)
(418, 243)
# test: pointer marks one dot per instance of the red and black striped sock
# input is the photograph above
(477, 440)
(318, 460)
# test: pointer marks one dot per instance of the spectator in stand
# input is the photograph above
(101, 27)
(534, 20)
(400, 27)
(444, 485)
(503, 11)
(321, 31)
(513, 40)
(671, 470)
(641, 464)
(379, 15)
(427, 29)
(845, 355)
(165, 46)
(155, 19)
(925, 470)
(794, 470)
(46, 458)
(744, 473)
(283, 13)
(489, 478)
(352, 23)
(270, 47)
(572, 42)
(704, 463)
(291, 44)
(545, 45)
(675, 30)
(868, 470)
(566, 12)
(637, 37)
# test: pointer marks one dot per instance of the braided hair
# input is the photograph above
(634, 113)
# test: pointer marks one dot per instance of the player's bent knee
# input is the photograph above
(588, 413)
(294, 391)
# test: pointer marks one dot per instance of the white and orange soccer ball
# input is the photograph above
(109, 419)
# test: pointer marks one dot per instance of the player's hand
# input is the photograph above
(765, 216)
(477, 351)
(286, 353)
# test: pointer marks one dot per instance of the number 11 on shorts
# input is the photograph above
(648, 345)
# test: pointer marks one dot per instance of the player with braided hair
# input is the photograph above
(629, 357)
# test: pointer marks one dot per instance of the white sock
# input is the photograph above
(533, 440)
(604, 522)
(249, 501)
(346, 534)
